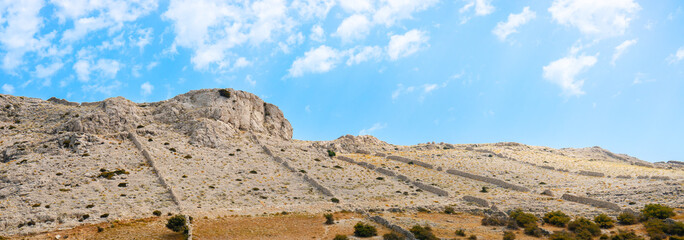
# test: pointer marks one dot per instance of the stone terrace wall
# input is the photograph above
(591, 174)
(479, 201)
(494, 181)
(396, 228)
(591, 202)
(311, 181)
(386, 172)
(410, 161)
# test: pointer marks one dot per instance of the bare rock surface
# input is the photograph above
(219, 152)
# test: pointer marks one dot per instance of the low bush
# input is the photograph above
(449, 210)
(329, 218)
(556, 218)
(627, 218)
(584, 227)
(494, 221)
(522, 218)
(364, 230)
(340, 237)
(604, 221)
(224, 93)
(392, 236)
(508, 235)
(331, 153)
(460, 233)
(335, 200)
(562, 235)
(624, 235)
(157, 213)
(423, 233)
(659, 228)
(533, 230)
(484, 189)
(472, 237)
(657, 211)
(177, 224)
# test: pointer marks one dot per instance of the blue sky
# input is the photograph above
(562, 73)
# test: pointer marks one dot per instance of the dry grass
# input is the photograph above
(147, 228)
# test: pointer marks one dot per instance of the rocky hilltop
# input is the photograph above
(222, 152)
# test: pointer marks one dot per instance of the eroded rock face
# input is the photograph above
(352, 144)
(207, 116)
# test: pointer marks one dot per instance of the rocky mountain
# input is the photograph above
(222, 152)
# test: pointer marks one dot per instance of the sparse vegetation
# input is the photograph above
(340, 237)
(110, 174)
(392, 236)
(494, 221)
(177, 224)
(423, 233)
(533, 230)
(460, 233)
(329, 218)
(123, 184)
(331, 153)
(224, 93)
(562, 235)
(604, 221)
(472, 237)
(523, 219)
(335, 200)
(657, 211)
(556, 218)
(484, 189)
(584, 228)
(157, 213)
(627, 218)
(508, 235)
(449, 210)
(364, 230)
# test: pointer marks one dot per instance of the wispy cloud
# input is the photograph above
(372, 129)
(621, 49)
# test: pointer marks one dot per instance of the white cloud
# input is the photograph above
(146, 88)
(319, 60)
(94, 15)
(144, 38)
(7, 88)
(621, 49)
(595, 18)
(212, 28)
(676, 57)
(317, 33)
(241, 62)
(564, 71)
(313, 8)
(19, 28)
(407, 44)
(371, 130)
(392, 11)
(108, 67)
(401, 90)
(47, 71)
(357, 5)
(152, 65)
(355, 27)
(503, 29)
(366, 54)
(482, 8)
(82, 69)
(251, 81)
(102, 88)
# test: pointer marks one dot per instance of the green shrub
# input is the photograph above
(460, 233)
(484, 189)
(522, 218)
(472, 237)
(392, 236)
(100, 229)
(449, 210)
(657, 211)
(658, 228)
(331, 153)
(340, 237)
(224, 93)
(423, 233)
(533, 230)
(556, 218)
(364, 230)
(584, 227)
(104, 215)
(625, 235)
(335, 200)
(604, 221)
(494, 221)
(512, 224)
(329, 218)
(627, 218)
(508, 235)
(156, 213)
(177, 224)
(562, 235)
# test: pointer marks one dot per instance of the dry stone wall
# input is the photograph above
(494, 181)
(311, 181)
(396, 228)
(479, 201)
(591, 202)
(410, 161)
(591, 174)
